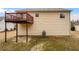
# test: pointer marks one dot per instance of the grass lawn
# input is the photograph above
(49, 44)
(59, 43)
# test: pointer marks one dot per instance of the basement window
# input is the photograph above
(62, 15)
(37, 15)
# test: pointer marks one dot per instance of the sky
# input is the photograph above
(74, 13)
(74, 10)
(2, 10)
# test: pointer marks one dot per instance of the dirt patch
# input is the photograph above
(38, 47)
(75, 34)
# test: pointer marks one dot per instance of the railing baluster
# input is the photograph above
(13, 17)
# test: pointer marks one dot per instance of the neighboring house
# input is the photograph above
(2, 25)
(54, 21)
(76, 27)
(75, 24)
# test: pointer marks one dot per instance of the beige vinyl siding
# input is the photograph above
(77, 27)
(48, 21)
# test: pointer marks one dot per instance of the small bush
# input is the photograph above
(73, 28)
(44, 33)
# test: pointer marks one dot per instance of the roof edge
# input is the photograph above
(44, 9)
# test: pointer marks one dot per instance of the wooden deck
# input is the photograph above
(19, 18)
(20, 21)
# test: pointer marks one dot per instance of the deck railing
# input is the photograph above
(19, 17)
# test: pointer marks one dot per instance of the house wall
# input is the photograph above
(76, 27)
(48, 21)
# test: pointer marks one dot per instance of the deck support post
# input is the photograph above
(5, 29)
(26, 33)
(16, 32)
